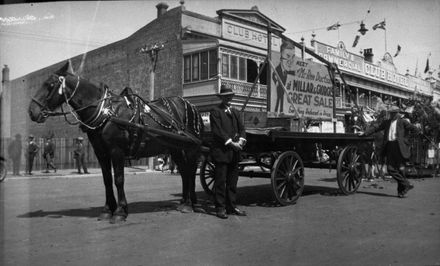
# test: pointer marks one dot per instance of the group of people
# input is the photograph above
(32, 149)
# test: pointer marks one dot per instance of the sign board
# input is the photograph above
(235, 31)
(339, 55)
(309, 90)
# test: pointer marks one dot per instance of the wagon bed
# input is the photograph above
(282, 155)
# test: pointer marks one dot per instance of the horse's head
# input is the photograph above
(50, 95)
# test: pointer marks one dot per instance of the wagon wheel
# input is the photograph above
(207, 176)
(287, 178)
(349, 170)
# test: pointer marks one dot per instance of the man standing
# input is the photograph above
(396, 148)
(14, 150)
(229, 138)
(32, 150)
(49, 154)
(79, 155)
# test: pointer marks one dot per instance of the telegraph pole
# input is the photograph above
(152, 52)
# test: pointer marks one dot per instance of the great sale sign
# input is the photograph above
(308, 90)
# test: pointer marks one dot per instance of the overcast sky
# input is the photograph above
(33, 36)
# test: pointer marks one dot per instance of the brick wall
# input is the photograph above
(117, 65)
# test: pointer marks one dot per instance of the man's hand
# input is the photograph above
(235, 146)
(361, 134)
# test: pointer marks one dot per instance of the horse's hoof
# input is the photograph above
(105, 216)
(116, 219)
(199, 209)
(185, 208)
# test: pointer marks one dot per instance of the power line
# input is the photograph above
(40, 37)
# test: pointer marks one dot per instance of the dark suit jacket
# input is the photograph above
(402, 129)
(225, 126)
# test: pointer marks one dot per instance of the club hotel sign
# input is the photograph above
(239, 32)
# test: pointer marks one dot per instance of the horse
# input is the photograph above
(96, 109)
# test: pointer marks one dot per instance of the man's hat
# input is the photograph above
(225, 91)
(31, 136)
(394, 109)
(80, 138)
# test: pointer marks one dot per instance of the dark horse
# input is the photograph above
(97, 109)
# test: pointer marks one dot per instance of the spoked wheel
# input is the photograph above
(287, 178)
(349, 170)
(207, 176)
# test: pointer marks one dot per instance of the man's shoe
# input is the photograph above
(222, 214)
(403, 193)
(236, 211)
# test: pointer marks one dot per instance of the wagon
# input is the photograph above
(282, 156)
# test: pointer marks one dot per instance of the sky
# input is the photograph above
(34, 36)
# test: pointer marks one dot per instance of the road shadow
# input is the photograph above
(258, 195)
(93, 212)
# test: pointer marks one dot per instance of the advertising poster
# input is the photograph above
(308, 91)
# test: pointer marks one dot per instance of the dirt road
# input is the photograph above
(52, 221)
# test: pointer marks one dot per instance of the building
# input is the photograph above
(188, 54)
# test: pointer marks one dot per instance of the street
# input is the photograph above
(53, 221)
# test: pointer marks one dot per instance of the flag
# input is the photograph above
(427, 64)
(356, 40)
(398, 50)
(380, 25)
(334, 26)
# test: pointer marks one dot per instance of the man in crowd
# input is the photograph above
(49, 154)
(229, 138)
(396, 148)
(79, 155)
(14, 150)
(32, 150)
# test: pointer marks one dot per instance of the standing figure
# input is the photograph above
(396, 147)
(229, 139)
(14, 151)
(79, 155)
(49, 154)
(32, 150)
(283, 69)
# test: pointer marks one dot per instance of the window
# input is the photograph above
(242, 68)
(195, 67)
(225, 65)
(213, 63)
(234, 67)
(187, 68)
(200, 66)
(204, 65)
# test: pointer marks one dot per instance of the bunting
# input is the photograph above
(380, 25)
(356, 40)
(334, 26)
(398, 50)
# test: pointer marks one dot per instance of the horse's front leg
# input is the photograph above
(110, 201)
(118, 158)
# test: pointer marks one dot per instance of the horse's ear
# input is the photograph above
(67, 68)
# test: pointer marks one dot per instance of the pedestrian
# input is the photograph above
(32, 150)
(172, 166)
(14, 151)
(49, 154)
(79, 155)
(396, 146)
(229, 138)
